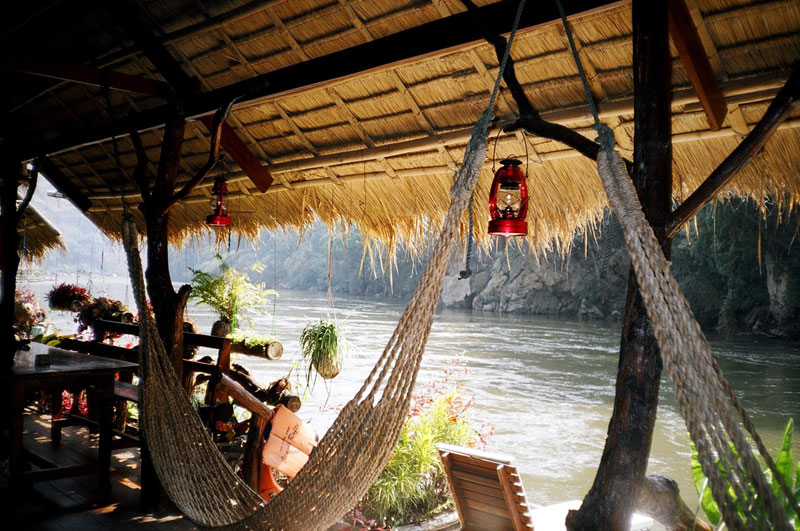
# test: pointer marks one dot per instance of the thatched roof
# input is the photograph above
(38, 235)
(378, 148)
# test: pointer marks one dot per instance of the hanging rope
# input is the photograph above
(355, 448)
(704, 395)
(467, 272)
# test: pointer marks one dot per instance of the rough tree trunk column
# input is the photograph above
(168, 306)
(622, 469)
(10, 259)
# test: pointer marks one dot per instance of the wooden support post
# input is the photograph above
(9, 175)
(168, 305)
(251, 467)
(609, 503)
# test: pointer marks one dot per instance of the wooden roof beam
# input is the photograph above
(778, 111)
(63, 183)
(696, 63)
(433, 37)
(87, 75)
(129, 16)
(239, 152)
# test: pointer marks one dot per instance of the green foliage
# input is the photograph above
(300, 262)
(413, 485)
(722, 266)
(785, 464)
(323, 346)
(229, 293)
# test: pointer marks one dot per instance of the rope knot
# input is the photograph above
(605, 136)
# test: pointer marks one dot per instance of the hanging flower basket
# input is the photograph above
(67, 297)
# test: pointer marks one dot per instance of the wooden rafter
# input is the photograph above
(239, 152)
(776, 114)
(63, 183)
(282, 169)
(695, 61)
(261, 154)
(89, 76)
(128, 16)
(385, 152)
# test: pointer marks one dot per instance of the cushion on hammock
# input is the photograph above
(289, 443)
(288, 427)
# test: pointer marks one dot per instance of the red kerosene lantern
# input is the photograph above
(219, 217)
(508, 200)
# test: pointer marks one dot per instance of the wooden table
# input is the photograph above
(52, 369)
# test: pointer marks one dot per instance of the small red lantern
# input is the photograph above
(219, 217)
(508, 200)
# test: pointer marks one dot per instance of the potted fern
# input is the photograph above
(323, 345)
(229, 293)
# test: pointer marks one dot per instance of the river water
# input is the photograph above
(545, 384)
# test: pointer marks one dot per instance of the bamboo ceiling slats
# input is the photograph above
(395, 134)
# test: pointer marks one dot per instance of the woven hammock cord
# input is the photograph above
(710, 421)
(355, 448)
(467, 272)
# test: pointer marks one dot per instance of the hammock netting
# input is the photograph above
(356, 448)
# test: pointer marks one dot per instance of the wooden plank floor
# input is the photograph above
(72, 504)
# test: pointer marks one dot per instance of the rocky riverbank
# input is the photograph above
(591, 285)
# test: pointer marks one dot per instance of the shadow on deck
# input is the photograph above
(73, 504)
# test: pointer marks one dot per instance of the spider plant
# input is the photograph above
(323, 345)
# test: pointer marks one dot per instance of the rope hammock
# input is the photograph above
(357, 446)
(705, 399)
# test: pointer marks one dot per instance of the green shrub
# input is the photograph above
(413, 486)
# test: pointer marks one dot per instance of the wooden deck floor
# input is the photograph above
(72, 504)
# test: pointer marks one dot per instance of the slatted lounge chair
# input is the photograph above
(487, 490)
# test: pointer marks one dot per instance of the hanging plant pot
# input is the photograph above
(221, 328)
(329, 368)
(67, 297)
(322, 345)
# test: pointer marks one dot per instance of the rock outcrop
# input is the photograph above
(592, 286)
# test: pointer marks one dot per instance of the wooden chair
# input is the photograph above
(486, 489)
